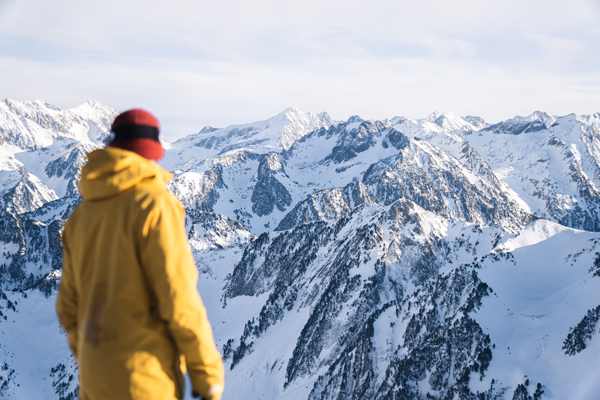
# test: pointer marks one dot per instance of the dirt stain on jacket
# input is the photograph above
(91, 328)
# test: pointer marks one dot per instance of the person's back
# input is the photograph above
(128, 297)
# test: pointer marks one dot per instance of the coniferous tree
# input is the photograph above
(521, 393)
(538, 392)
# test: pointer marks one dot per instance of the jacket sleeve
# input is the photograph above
(66, 303)
(171, 272)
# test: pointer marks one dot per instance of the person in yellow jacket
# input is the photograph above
(128, 298)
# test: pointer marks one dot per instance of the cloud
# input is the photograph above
(201, 63)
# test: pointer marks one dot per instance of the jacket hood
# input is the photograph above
(111, 170)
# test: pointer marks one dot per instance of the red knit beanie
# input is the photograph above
(137, 130)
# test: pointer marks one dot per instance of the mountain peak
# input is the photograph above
(354, 119)
(278, 132)
(542, 117)
(289, 110)
(433, 116)
(448, 120)
(536, 121)
(476, 121)
(208, 129)
(353, 123)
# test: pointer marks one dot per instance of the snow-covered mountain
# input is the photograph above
(551, 163)
(274, 134)
(440, 258)
(49, 144)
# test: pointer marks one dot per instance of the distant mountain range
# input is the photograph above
(440, 258)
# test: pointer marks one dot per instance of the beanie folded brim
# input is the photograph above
(147, 148)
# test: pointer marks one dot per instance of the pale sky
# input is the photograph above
(197, 63)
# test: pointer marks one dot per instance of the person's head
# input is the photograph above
(137, 130)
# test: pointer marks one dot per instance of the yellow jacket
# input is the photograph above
(128, 297)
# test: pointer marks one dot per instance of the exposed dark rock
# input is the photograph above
(269, 193)
(328, 204)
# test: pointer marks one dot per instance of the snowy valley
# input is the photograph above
(436, 258)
